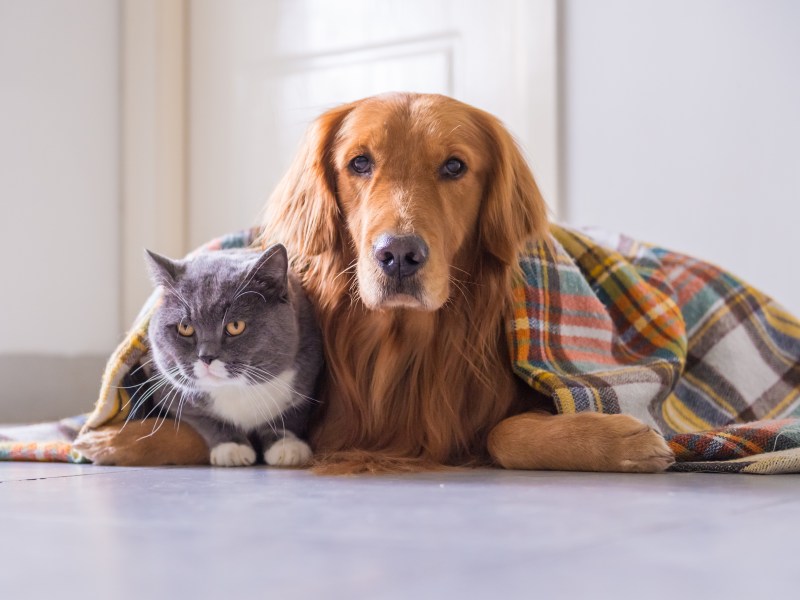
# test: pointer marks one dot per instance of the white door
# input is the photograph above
(260, 71)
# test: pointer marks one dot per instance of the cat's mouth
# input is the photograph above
(211, 374)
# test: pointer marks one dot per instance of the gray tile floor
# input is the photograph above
(92, 532)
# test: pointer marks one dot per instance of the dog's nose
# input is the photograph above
(400, 255)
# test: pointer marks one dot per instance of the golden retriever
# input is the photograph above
(405, 215)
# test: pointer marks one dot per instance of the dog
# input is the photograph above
(405, 215)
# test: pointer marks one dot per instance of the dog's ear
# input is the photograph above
(303, 212)
(513, 210)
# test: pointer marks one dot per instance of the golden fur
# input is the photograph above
(422, 378)
(143, 443)
(403, 382)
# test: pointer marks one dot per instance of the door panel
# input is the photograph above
(261, 71)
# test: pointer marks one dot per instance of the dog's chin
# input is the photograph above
(383, 300)
(397, 295)
(398, 301)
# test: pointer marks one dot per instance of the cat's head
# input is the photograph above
(225, 318)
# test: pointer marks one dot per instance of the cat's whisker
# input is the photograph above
(156, 427)
(168, 410)
(136, 400)
(267, 377)
(161, 381)
(254, 375)
(181, 402)
(177, 294)
(164, 414)
(243, 285)
(158, 405)
(150, 380)
(150, 392)
(185, 394)
(140, 367)
(251, 292)
(253, 397)
(262, 392)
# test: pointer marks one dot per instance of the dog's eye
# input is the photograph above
(361, 165)
(452, 168)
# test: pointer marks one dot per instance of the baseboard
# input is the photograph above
(37, 388)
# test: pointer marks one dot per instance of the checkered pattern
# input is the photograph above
(45, 442)
(604, 323)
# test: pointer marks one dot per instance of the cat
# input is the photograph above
(237, 352)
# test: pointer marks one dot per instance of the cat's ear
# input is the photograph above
(163, 270)
(271, 267)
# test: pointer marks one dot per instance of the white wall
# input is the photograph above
(682, 126)
(59, 177)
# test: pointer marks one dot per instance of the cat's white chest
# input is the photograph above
(250, 406)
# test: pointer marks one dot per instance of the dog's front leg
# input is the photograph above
(143, 443)
(579, 442)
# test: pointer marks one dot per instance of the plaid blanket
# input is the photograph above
(604, 323)
(44, 442)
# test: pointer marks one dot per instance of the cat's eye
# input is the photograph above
(234, 327)
(185, 330)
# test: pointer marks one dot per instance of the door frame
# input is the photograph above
(155, 152)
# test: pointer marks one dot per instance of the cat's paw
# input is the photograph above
(231, 454)
(288, 452)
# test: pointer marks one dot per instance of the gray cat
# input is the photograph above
(237, 345)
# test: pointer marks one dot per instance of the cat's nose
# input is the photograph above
(207, 358)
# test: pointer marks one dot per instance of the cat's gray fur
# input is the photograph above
(250, 390)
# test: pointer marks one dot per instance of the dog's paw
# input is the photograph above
(98, 446)
(231, 454)
(288, 452)
(638, 448)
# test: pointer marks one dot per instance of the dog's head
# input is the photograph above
(414, 189)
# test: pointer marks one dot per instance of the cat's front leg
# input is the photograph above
(233, 454)
(229, 446)
(282, 448)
